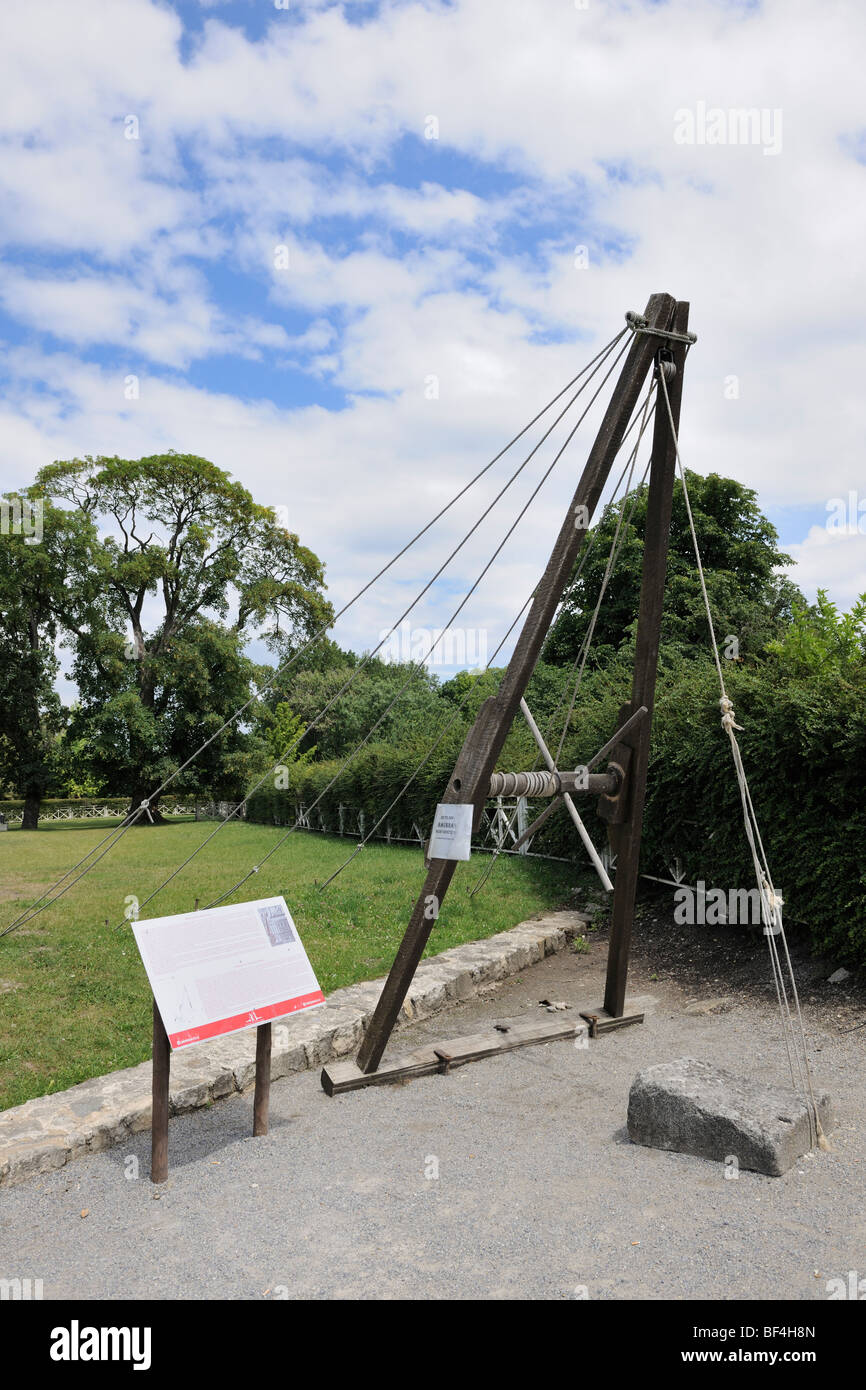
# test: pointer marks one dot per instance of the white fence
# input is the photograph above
(502, 822)
(105, 810)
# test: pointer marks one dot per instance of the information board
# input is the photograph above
(225, 969)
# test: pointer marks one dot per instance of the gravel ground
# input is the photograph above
(539, 1192)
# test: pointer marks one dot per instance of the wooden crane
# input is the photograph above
(660, 342)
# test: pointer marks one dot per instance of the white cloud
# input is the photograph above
(174, 329)
(832, 560)
(765, 247)
(357, 483)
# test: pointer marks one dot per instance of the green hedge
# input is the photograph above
(803, 745)
(804, 748)
(369, 784)
(803, 742)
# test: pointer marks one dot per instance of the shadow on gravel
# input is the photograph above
(196, 1136)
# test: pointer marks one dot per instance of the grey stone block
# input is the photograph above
(428, 997)
(693, 1107)
(719, 1005)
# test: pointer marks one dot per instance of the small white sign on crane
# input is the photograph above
(452, 832)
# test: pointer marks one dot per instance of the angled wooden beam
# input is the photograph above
(471, 777)
(536, 825)
(633, 719)
(626, 834)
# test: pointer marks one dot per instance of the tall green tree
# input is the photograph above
(741, 556)
(821, 640)
(418, 713)
(47, 584)
(284, 733)
(190, 569)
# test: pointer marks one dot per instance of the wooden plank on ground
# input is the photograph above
(338, 1077)
(600, 1021)
(457, 1051)
(347, 1076)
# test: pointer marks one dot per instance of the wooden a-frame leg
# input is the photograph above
(626, 837)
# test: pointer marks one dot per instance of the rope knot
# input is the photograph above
(728, 719)
(774, 903)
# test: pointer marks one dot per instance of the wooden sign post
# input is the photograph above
(161, 1087)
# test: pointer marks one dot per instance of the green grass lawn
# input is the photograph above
(74, 998)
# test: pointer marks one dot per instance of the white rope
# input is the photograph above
(771, 900)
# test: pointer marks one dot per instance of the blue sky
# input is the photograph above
(470, 194)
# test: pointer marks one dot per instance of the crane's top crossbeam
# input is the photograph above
(638, 323)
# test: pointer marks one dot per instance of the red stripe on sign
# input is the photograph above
(250, 1019)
